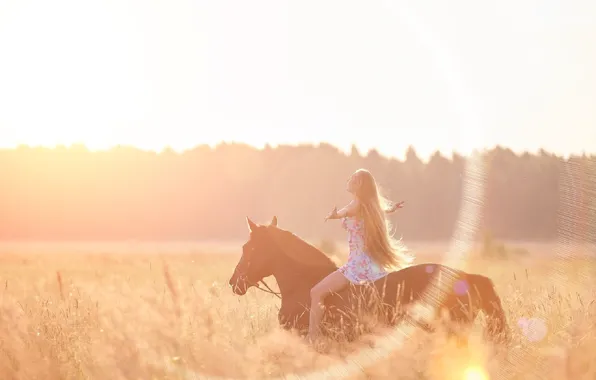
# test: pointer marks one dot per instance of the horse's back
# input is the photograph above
(401, 286)
(417, 278)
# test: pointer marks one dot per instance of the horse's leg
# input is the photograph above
(293, 315)
(490, 303)
(464, 309)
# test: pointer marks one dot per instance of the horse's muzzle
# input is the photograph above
(239, 285)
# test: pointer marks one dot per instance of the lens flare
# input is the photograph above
(475, 373)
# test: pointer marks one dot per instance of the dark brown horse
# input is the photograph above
(297, 266)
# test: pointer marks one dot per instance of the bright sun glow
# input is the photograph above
(475, 373)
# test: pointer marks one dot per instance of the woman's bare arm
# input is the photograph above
(349, 210)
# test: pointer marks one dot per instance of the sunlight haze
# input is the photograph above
(441, 75)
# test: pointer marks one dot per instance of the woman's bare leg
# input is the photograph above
(334, 282)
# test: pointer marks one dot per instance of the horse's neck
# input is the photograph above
(292, 278)
(294, 275)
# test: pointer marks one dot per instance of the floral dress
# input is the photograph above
(360, 268)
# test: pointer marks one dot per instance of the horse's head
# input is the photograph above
(257, 257)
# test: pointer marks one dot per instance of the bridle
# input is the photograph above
(258, 286)
(262, 281)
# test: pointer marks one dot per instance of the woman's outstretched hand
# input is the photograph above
(332, 214)
(396, 206)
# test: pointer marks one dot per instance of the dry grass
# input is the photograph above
(172, 316)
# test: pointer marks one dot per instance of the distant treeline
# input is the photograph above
(205, 193)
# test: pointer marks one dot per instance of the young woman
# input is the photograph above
(373, 252)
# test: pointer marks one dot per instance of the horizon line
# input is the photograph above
(166, 148)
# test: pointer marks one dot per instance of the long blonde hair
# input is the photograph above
(386, 251)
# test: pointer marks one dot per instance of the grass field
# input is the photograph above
(169, 314)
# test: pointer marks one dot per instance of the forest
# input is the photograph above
(71, 193)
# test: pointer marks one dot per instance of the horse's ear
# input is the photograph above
(273, 221)
(251, 225)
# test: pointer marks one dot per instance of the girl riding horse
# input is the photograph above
(373, 252)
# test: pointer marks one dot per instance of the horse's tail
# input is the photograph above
(490, 302)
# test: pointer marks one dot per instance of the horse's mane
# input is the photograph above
(298, 249)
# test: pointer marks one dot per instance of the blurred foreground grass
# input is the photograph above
(67, 315)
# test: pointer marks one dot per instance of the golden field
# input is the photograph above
(168, 313)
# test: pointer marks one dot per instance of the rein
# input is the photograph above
(268, 290)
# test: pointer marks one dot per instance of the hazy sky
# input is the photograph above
(432, 73)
